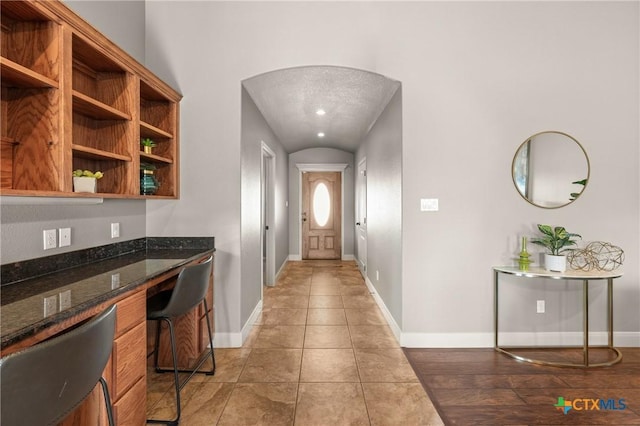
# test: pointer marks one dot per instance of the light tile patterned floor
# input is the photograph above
(320, 354)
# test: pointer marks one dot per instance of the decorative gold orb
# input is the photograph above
(598, 255)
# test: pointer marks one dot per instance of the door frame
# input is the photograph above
(321, 167)
(362, 228)
(267, 195)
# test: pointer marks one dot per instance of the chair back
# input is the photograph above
(42, 384)
(191, 287)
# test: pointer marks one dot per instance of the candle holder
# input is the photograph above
(523, 260)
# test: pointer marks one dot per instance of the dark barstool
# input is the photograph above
(42, 384)
(190, 290)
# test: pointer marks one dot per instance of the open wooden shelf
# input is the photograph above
(15, 75)
(93, 108)
(71, 99)
(152, 158)
(149, 131)
(97, 154)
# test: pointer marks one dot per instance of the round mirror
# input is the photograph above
(550, 169)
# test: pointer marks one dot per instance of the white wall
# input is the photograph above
(255, 130)
(497, 74)
(123, 22)
(382, 148)
(22, 225)
(322, 156)
(477, 77)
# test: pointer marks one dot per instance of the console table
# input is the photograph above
(574, 275)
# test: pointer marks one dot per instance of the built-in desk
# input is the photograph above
(38, 308)
(584, 277)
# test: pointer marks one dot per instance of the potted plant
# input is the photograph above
(555, 240)
(85, 180)
(147, 144)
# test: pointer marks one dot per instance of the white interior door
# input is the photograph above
(267, 215)
(361, 215)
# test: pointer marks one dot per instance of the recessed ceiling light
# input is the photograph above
(320, 135)
(321, 112)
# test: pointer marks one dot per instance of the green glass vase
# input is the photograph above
(148, 182)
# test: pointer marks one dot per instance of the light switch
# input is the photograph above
(429, 204)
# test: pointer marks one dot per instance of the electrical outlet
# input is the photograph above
(540, 306)
(65, 300)
(115, 230)
(50, 305)
(49, 236)
(115, 280)
(65, 237)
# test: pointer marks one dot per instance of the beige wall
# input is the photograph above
(382, 148)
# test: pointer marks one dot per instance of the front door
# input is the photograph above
(321, 215)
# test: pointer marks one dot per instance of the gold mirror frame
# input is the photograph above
(521, 165)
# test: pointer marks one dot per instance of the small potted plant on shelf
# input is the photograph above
(85, 180)
(556, 240)
(147, 144)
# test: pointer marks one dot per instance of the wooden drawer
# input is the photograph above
(129, 360)
(131, 312)
(131, 409)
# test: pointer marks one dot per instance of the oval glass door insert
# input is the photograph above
(321, 204)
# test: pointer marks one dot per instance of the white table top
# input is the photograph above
(569, 274)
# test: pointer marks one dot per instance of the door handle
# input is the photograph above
(358, 223)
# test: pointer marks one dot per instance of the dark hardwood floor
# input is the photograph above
(484, 387)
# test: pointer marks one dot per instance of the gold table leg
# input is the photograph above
(585, 346)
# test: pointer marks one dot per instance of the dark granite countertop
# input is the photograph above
(73, 290)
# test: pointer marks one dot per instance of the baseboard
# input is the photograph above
(248, 326)
(295, 257)
(395, 328)
(227, 340)
(236, 340)
(347, 257)
(486, 340)
(275, 280)
(447, 340)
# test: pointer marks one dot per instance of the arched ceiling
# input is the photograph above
(290, 98)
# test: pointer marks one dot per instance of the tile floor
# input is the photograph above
(320, 354)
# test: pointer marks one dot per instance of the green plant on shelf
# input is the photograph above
(87, 173)
(147, 142)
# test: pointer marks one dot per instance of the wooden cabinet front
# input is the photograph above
(72, 100)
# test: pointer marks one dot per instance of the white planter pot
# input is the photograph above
(555, 263)
(84, 184)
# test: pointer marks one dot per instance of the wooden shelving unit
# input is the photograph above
(158, 121)
(30, 73)
(71, 99)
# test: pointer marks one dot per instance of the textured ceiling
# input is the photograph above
(289, 98)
